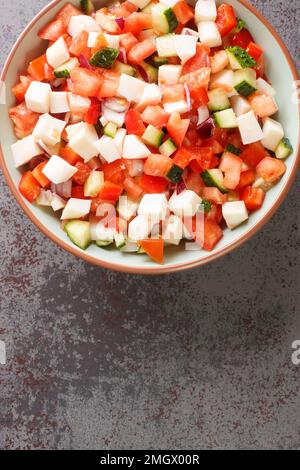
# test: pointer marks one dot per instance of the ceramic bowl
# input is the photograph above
(279, 69)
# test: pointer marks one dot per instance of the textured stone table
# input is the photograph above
(200, 359)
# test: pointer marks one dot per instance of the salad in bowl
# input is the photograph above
(148, 124)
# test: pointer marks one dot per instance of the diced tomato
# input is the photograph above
(213, 195)
(156, 116)
(128, 41)
(253, 197)
(194, 182)
(199, 60)
(173, 93)
(134, 122)
(260, 67)
(110, 191)
(253, 154)
(226, 20)
(24, 120)
(53, 30)
(174, 60)
(19, 90)
(215, 214)
(234, 138)
(29, 187)
(78, 192)
(192, 136)
(66, 13)
(154, 247)
(209, 234)
(106, 22)
(183, 12)
(195, 167)
(198, 79)
(79, 45)
(110, 84)
(182, 157)
(231, 165)
(204, 157)
(254, 50)
(214, 144)
(247, 177)
(95, 163)
(114, 172)
(49, 72)
(85, 82)
(136, 22)
(97, 201)
(38, 174)
(219, 61)
(133, 189)
(242, 39)
(271, 169)
(99, 43)
(141, 51)
(262, 104)
(153, 184)
(123, 10)
(177, 128)
(158, 165)
(35, 161)
(37, 68)
(83, 172)
(93, 114)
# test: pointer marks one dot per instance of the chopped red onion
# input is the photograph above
(67, 117)
(143, 73)
(180, 187)
(187, 95)
(57, 82)
(122, 57)
(83, 60)
(70, 84)
(63, 189)
(205, 130)
(120, 22)
(203, 114)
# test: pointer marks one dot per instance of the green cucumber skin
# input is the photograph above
(243, 58)
(87, 7)
(232, 149)
(104, 58)
(206, 205)
(175, 174)
(209, 181)
(69, 229)
(62, 74)
(172, 20)
(156, 61)
(284, 149)
(244, 88)
(241, 24)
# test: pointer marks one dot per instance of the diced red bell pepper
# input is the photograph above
(254, 50)
(70, 156)
(38, 174)
(78, 192)
(253, 197)
(153, 184)
(204, 156)
(94, 112)
(134, 123)
(29, 187)
(199, 60)
(133, 189)
(242, 39)
(183, 12)
(110, 191)
(247, 177)
(226, 20)
(114, 172)
(154, 247)
(253, 154)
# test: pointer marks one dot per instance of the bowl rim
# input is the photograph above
(159, 269)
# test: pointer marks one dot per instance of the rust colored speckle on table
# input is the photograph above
(199, 359)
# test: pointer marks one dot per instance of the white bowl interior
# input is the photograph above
(277, 70)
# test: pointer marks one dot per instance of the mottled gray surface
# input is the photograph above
(199, 359)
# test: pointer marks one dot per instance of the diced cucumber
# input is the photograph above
(104, 243)
(120, 239)
(104, 58)
(205, 205)
(63, 71)
(284, 149)
(239, 58)
(93, 184)
(157, 61)
(124, 68)
(244, 81)
(168, 148)
(241, 24)
(110, 129)
(214, 178)
(141, 251)
(148, 8)
(87, 7)
(225, 119)
(153, 136)
(79, 233)
(218, 100)
(175, 174)
(163, 18)
(152, 72)
(233, 149)
(166, 46)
